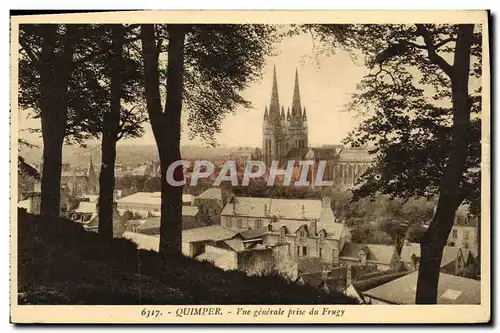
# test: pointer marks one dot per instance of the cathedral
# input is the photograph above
(285, 138)
(283, 131)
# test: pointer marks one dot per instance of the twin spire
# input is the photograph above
(274, 107)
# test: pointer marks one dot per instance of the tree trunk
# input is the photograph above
(55, 73)
(435, 237)
(166, 128)
(111, 123)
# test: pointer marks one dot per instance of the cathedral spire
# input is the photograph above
(274, 107)
(296, 107)
(266, 114)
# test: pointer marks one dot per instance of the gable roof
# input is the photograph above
(451, 290)
(378, 253)
(450, 253)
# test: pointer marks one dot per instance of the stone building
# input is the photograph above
(308, 226)
(283, 132)
(78, 183)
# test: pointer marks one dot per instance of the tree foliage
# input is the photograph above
(406, 102)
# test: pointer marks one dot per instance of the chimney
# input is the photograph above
(265, 209)
(233, 202)
(313, 227)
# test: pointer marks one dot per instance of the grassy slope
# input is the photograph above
(61, 263)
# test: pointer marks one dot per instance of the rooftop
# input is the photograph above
(213, 233)
(450, 253)
(374, 252)
(355, 155)
(211, 193)
(151, 198)
(451, 290)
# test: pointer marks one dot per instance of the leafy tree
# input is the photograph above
(207, 68)
(422, 100)
(415, 233)
(62, 81)
(115, 82)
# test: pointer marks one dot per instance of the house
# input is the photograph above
(383, 257)
(454, 261)
(452, 289)
(308, 226)
(146, 203)
(465, 232)
(211, 203)
(194, 240)
(87, 214)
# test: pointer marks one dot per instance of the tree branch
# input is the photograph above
(29, 51)
(431, 51)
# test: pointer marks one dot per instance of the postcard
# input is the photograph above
(250, 167)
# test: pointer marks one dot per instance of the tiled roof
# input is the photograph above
(451, 290)
(381, 254)
(450, 253)
(211, 193)
(213, 233)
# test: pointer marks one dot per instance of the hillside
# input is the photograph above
(61, 263)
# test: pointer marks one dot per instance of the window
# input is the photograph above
(321, 237)
(258, 223)
(466, 245)
(320, 252)
(229, 223)
(298, 250)
(304, 250)
(454, 233)
(239, 223)
(282, 235)
(466, 235)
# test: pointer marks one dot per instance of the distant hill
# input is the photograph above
(128, 154)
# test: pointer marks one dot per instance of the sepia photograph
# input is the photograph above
(251, 166)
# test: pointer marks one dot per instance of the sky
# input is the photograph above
(326, 82)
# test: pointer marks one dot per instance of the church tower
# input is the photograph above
(283, 131)
(92, 182)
